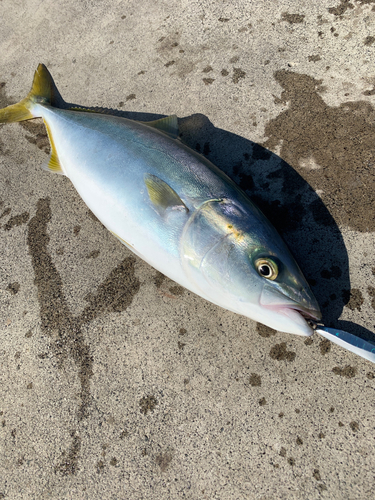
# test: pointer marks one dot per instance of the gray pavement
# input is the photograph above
(115, 382)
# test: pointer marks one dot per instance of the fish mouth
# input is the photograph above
(309, 315)
(304, 318)
(298, 307)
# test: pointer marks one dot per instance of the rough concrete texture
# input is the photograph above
(115, 382)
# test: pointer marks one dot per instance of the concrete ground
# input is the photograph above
(115, 382)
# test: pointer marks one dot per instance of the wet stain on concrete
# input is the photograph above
(353, 298)
(100, 466)
(67, 340)
(341, 8)
(238, 74)
(292, 18)
(348, 371)
(314, 58)
(354, 426)
(299, 441)
(4, 99)
(39, 135)
(255, 380)
(69, 460)
(115, 294)
(93, 255)
(5, 212)
(207, 69)
(371, 292)
(13, 288)
(369, 40)
(76, 230)
(316, 475)
(280, 353)
(265, 331)
(147, 403)
(262, 402)
(16, 220)
(130, 97)
(163, 460)
(325, 346)
(159, 279)
(177, 290)
(168, 43)
(332, 148)
(208, 81)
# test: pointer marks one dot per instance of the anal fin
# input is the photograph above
(53, 164)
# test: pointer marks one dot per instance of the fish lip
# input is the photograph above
(309, 315)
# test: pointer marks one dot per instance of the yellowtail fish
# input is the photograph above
(174, 209)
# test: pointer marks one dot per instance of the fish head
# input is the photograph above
(238, 260)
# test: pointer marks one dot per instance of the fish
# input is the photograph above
(174, 209)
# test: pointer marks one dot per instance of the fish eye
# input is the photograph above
(267, 268)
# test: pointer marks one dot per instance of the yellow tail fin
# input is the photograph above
(41, 92)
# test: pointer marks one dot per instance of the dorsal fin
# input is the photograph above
(162, 196)
(168, 125)
(53, 164)
(102, 111)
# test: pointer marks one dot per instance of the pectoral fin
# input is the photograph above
(162, 196)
